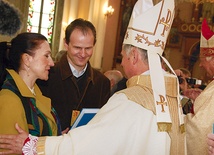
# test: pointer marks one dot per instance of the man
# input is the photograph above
(183, 74)
(200, 123)
(114, 76)
(133, 121)
(73, 84)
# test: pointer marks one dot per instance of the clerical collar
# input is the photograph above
(75, 72)
(148, 72)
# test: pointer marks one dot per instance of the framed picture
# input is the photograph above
(126, 8)
(175, 38)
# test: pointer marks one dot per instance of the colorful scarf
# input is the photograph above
(33, 114)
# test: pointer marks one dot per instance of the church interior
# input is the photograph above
(110, 17)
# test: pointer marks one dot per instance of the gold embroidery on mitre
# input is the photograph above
(162, 102)
(156, 43)
(138, 38)
(166, 22)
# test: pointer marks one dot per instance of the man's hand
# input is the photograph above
(13, 143)
(210, 143)
(192, 93)
(65, 131)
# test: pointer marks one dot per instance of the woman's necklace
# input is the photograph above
(32, 90)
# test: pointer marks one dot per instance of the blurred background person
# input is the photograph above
(199, 124)
(183, 74)
(114, 76)
(187, 93)
(59, 55)
(121, 84)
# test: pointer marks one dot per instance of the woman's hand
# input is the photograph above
(13, 143)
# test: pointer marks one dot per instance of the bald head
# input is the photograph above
(114, 76)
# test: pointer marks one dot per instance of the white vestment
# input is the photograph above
(121, 127)
(200, 123)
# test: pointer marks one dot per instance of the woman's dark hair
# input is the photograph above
(4, 47)
(82, 25)
(11, 53)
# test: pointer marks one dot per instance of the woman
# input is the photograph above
(21, 101)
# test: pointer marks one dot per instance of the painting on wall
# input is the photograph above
(126, 8)
(174, 39)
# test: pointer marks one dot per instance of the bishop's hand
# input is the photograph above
(10, 144)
